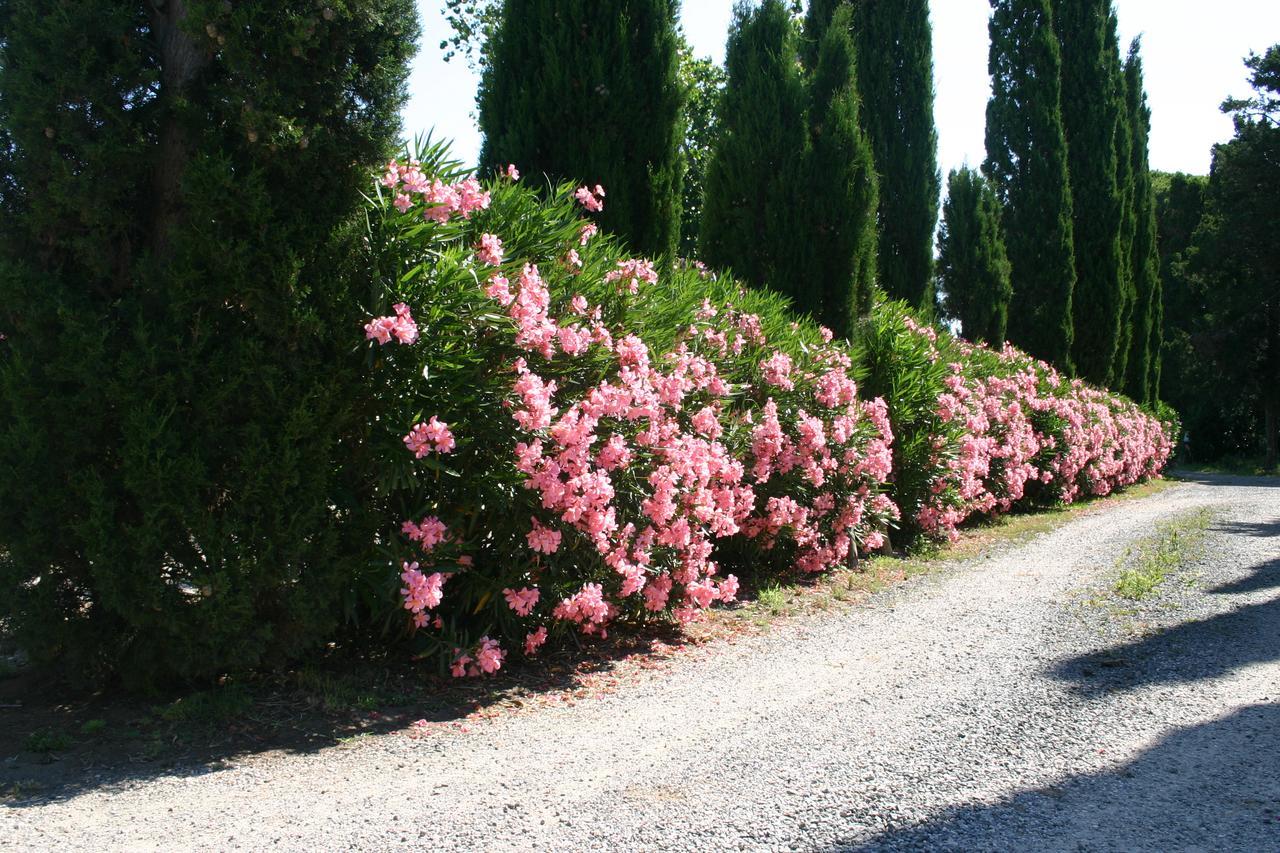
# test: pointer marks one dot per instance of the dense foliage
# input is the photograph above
(583, 90)
(180, 416)
(973, 268)
(1027, 165)
(1227, 301)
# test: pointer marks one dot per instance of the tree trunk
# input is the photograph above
(181, 59)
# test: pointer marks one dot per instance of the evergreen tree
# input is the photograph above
(973, 267)
(1126, 181)
(1142, 380)
(838, 259)
(1091, 108)
(1027, 166)
(182, 486)
(750, 206)
(894, 43)
(590, 91)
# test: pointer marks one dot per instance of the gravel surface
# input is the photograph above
(1008, 702)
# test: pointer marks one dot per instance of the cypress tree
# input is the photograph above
(1027, 166)
(1090, 112)
(838, 257)
(1125, 180)
(590, 91)
(182, 486)
(894, 43)
(973, 267)
(749, 212)
(1142, 377)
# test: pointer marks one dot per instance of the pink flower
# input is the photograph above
(499, 290)
(534, 641)
(728, 589)
(543, 539)
(428, 534)
(777, 371)
(512, 172)
(588, 231)
(489, 656)
(421, 592)
(489, 250)
(592, 200)
(403, 202)
(522, 601)
(431, 437)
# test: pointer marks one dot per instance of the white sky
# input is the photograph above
(1192, 51)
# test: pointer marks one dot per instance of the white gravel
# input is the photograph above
(989, 707)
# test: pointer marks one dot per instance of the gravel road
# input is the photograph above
(1008, 702)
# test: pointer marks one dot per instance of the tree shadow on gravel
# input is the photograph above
(53, 748)
(1206, 479)
(1260, 529)
(1212, 786)
(1190, 651)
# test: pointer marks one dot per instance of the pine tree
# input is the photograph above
(590, 91)
(894, 43)
(183, 487)
(838, 259)
(1091, 108)
(750, 209)
(1027, 166)
(973, 267)
(1142, 377)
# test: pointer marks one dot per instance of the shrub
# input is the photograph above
(570, 441)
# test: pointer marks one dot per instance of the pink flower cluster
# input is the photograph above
(592, 198)
(443, 201)
(430, 437)
(400, 326)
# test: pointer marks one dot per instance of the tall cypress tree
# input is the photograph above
(1091, 108)
(590, 91)
(1142, 380)
(185, 480)
(1027, 166)
(1125, 181)
(749, 213)
(894, 43)
(838, 260)
(973, 267)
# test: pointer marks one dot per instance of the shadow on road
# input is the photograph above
(1206, 479)
(1212, 786)
(1188, 651)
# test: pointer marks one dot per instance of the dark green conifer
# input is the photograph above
(1091, 109)
(183, 485)
(751, 222)
(1142, 375)
(1027, 166)
(973, 268)
(1125, 180)
(590, 91)
(894, 44)
(838, 256)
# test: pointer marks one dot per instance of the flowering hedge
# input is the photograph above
(983, 431)
(575, 436)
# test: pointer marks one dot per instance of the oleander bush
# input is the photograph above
(574, 437)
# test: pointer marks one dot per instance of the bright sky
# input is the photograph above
(1192, 52)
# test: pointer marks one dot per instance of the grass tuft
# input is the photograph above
(1149, 563)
